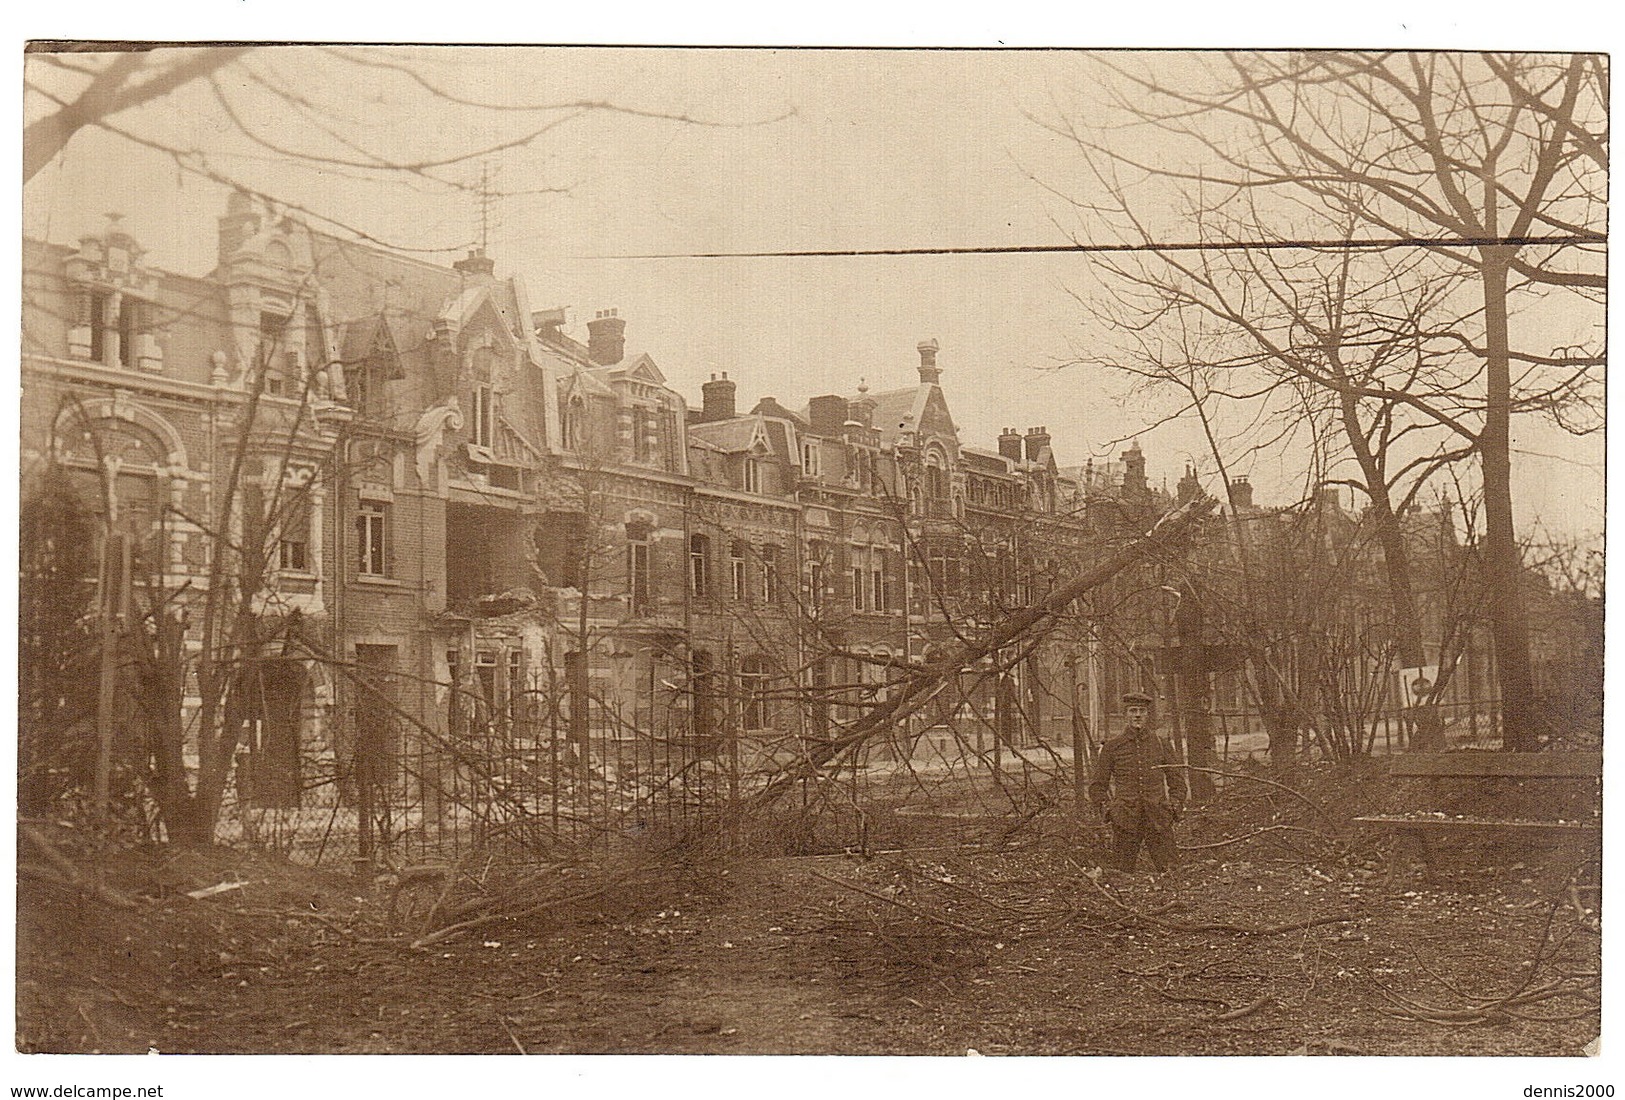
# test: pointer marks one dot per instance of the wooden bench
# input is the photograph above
(1553, 766)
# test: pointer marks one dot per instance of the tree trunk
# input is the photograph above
(162, 692)
(578, 685)
(1503, 566)
(1407, 626)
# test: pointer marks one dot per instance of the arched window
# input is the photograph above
(879, 673)
(137, 494)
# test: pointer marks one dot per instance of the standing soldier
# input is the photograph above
(1147, 789)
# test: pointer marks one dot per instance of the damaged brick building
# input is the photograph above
(470, 528)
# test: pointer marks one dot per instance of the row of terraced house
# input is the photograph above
(490, 523)
(476, 548)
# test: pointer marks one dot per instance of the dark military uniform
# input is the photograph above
(1145, 795)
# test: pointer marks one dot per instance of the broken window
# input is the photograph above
(560, 539)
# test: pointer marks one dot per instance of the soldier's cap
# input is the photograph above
(1136, 699)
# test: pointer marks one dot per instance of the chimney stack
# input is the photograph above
(606, 338)
(929, 371)
(241, 221)
(477, 264)
(1010, 444)
(1134, 469)
(826, 414)
(1241, 493)
(1037, 440)
(1189, 487)
(718, 399)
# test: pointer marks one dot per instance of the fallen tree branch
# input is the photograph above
(1165, 995)
(1174, 926)
(921, 913)
(1293, 791)
(65, 867)
(1271, 930)
(432, 938)
(1492, 1012)
(1245, 1010)
(503, 1020)
(920, 684)
(1329, 841)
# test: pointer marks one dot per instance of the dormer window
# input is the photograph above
(753, 475)
(273, 354)
(575, 423)
(809, 458)
(94, 305)
(112, 330)
(364, 379)
(363, 387)
(111, 323)
(643, 426)
(131, 326)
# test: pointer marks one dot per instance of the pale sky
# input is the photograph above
(815, 149)
(892, 150)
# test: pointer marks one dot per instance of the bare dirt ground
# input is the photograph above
(1306, 938)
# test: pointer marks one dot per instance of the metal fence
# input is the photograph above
(516, 788)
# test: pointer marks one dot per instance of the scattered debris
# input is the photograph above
(217, 888)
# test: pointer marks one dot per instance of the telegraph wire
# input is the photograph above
(1357, 244)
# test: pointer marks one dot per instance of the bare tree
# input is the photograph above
(1331, 345)
(1495, 164)
(297, 106)
(93, 88)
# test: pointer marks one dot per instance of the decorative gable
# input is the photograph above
(643, 369)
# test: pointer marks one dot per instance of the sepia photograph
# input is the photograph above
(885, 551)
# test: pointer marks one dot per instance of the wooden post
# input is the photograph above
(115, 577)
(1193, 692)
(1080, 753)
